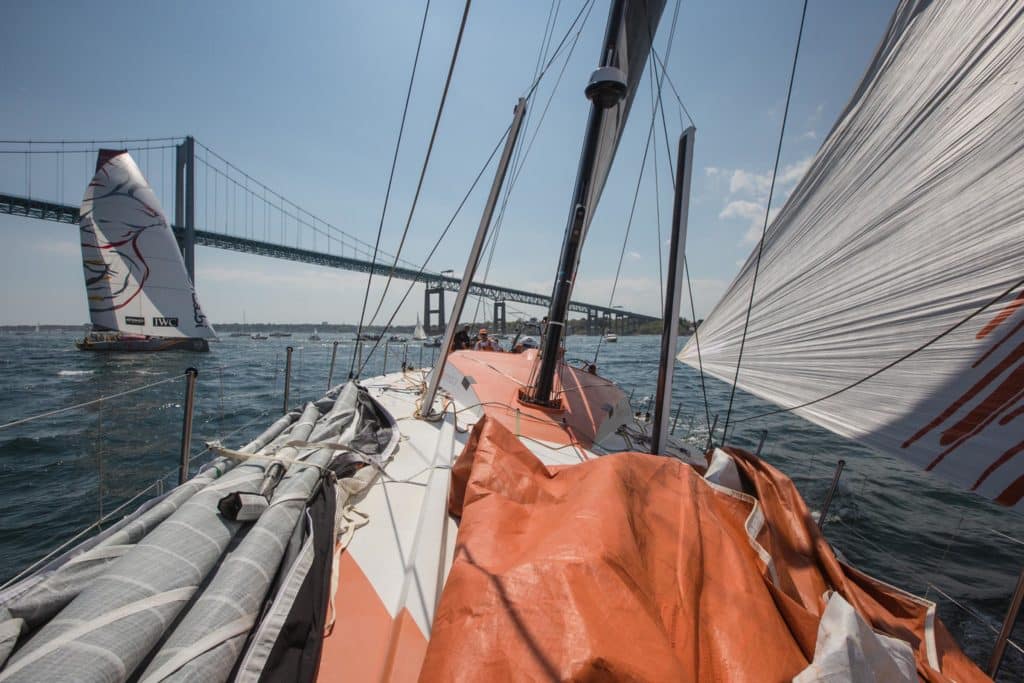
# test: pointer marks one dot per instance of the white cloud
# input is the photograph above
(810, 135)
(635, 255)
(748, 195)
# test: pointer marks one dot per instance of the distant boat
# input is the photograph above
(366, 336)
(284, 334)
(139, 293)
(396, 338)
(419, 334)
(434, 343)
(258, 337)
(611, 337)
(314, 336)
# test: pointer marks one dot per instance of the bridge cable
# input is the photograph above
(426, 161)
(767, 213)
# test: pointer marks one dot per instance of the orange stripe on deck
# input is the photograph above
(358, 647)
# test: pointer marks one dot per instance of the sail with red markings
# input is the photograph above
(135, 277)
(889, 304)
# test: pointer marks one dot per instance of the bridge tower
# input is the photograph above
(430, 314)
(592, 322)
(499, 317)
(185, 202)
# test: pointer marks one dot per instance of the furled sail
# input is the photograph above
(634, 34)
(890, 300)
(135, 277)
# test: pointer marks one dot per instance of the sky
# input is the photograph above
(307, 99)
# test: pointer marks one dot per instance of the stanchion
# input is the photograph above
(330, 373)
(1008, 623)
(287, 377)
(831, 492)
(760, 444)
(186, 423)
(385, 370)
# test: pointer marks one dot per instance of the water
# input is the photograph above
(59, 474)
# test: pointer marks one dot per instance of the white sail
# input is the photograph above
(419, 333)
(135, 277)
(888, 306)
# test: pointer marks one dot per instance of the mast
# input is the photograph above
(607, 87)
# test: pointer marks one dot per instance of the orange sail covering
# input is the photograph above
(635, 567)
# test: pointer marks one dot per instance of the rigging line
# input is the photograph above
(657, 200)
(672, 85)
(899, 360)
(696, 341)
(437, 244)
(101, 399)
(426, 160)
(517, 170)
(492, 239)
(391, 178)
(686, 266)
(647, 147)
(767, 213)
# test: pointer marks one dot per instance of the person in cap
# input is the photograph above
(485, 343)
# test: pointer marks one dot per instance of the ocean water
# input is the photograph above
(59, 474)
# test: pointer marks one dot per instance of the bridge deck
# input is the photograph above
(31, 208)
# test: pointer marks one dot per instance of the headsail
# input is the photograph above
(419, 333)
(889, 301)
(135, 277)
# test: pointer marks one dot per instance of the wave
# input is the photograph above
(74, 373)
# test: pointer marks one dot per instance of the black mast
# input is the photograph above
(606, 89)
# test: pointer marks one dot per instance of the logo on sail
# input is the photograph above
(165, 322)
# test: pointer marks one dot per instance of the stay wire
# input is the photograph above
(672, 175)
(1012, 288)
(426, 158)
(767, 213)
(434, 249)
(391, 178)
(647, 147)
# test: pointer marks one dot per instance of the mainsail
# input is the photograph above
(890, 302)
(135, 277)
(634, 34)
(419, 333)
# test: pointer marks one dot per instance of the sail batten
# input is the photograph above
(889, 298)
(135, 277)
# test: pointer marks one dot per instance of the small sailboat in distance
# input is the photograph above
(419, 334)
(139, 293)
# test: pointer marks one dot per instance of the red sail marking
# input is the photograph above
(999, 343)
(1013, 493)
(988, 379)
(1012, 416)
(992, 406)
(998, 463)
(1001, 317)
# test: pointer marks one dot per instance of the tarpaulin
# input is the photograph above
(634, 567)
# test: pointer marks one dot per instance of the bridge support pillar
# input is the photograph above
(431, 314)
(592, 322)
(185, 202)
(499, 317)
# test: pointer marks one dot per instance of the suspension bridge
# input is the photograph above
(239, 213)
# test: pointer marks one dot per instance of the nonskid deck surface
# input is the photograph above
(392, 571)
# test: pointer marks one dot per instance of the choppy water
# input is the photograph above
(57, 475)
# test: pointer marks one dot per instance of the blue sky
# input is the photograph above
(306, 97)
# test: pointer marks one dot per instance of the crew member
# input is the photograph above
(485, 343)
